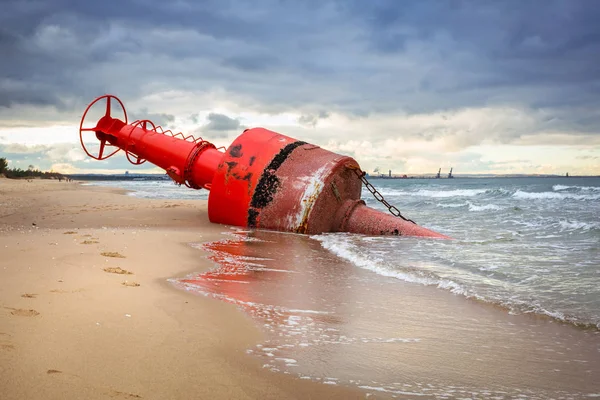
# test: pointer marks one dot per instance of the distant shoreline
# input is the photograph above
(164, 177)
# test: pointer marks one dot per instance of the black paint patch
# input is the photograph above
(269, 182)
(230, 165)
(283, 155)
(252, 160)
(252, 215)
(246, 177)
(236, 151)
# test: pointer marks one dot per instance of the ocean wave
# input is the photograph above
(447, 193)
(578, 225)
(519, 194)
(452, 205)
(559, 188)
(340, 246)
(486, 207)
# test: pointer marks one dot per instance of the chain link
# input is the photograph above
(378, 196)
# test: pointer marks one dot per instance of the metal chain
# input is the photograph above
(378, 196)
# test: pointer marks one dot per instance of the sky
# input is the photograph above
(500, 87)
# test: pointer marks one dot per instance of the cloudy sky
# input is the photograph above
(411, 86)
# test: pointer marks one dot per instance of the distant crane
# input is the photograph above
(438, 174)
(450, 174)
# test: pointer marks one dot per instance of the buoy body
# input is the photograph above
(272, 181)
(263, 180)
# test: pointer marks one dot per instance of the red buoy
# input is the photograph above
(264, 179)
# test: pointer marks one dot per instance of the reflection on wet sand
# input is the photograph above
(329, 321)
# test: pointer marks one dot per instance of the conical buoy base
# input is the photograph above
(369, 221)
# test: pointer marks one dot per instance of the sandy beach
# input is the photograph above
(89, 309)
(86, 310)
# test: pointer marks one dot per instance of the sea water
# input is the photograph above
(360, 310)
(531, 245)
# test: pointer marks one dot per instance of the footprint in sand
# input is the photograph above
(53, 371)
(4, 346)
(21, 312)
(69, 233)
(66, 291)
(117, 270)
(29, 295)
(130, 284)
(116, 393)
(90, 242)
(113, 254)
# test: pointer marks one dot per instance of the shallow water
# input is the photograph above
(529, 244)
(327, 320)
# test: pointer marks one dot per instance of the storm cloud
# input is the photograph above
(533, 67)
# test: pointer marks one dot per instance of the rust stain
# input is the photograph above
(336, 192)
(308, 205)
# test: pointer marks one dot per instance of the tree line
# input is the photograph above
(30, 172)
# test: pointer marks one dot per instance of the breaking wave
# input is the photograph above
(341, 245)
(559, 188)
(447, 193)
(554, 196)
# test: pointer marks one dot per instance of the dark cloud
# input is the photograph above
(161, 119)
(220, 122)
(219, 126)
(312, 119)
(346, 56)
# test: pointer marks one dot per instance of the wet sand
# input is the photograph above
(327, 320)
(86, 310)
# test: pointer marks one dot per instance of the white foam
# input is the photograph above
(383, 390)
(519, 194)
(486, 207)
(452, 205)
(340, 246)
(583, 188)
(578, 225)
(446, 193)
(286, 360)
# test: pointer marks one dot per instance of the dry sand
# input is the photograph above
(86, 312)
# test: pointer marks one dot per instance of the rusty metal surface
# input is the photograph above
(369, 221)
(306, 201)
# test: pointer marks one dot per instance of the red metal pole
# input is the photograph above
(187, 162)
